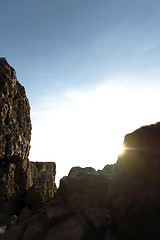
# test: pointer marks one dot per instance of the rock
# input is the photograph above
(78, 171)
(15, 135)
(44, 187)
(85, 196)
(78, 211)
(136, 196)
(24, 215)
(15, 123)
(109, 170)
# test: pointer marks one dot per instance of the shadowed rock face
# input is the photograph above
(79, 211)
(15, 135)
(136, 195)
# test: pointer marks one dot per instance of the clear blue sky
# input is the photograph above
(61, 47)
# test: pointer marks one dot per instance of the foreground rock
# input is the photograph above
(79, 211)
(15, 135)
(136, 195)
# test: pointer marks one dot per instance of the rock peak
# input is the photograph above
(3, 59)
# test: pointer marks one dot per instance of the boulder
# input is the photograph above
(84, 194)
(135, 200)
(15, 135)
(78, 211)
(78, 171)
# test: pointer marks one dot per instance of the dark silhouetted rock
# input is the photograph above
(135, 202)
(78, 171)
(79, 211)
(15, 135)
(109, 170)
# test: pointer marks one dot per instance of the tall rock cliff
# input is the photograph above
(15, 123)
(15, 135)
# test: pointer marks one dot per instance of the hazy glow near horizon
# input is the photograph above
(88, 127)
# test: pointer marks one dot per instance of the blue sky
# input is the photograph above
(75, 55)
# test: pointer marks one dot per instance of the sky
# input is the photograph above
(91, 70)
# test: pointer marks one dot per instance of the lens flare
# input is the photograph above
(121, 149)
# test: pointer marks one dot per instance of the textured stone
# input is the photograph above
(78, 171)
(15, 135)
(15, 123)
(109, 170)
(85, 196)
(135, 199)
(42, 175)
(79, 211)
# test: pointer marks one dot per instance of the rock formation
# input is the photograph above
(15, 123)
(21, 183)
(135, 201)
(83, 207)
(120, 202)
(15, 135)
(79, 211)
(109, 170)
(43, 184)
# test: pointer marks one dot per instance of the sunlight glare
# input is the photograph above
(121, 149)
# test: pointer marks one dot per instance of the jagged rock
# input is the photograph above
(17, 175)
(135, 199)
(44, 187)
(109, 170)
(84, 195)
(15, 135)
(79, 211)
(15, 123)
(78, 171)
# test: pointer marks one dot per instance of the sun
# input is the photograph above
(121, 149)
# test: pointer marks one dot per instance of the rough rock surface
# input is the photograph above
(15, 123)
(135, 199)
(43, 184)
(109, 170)
(15, 135)
(79, 211)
